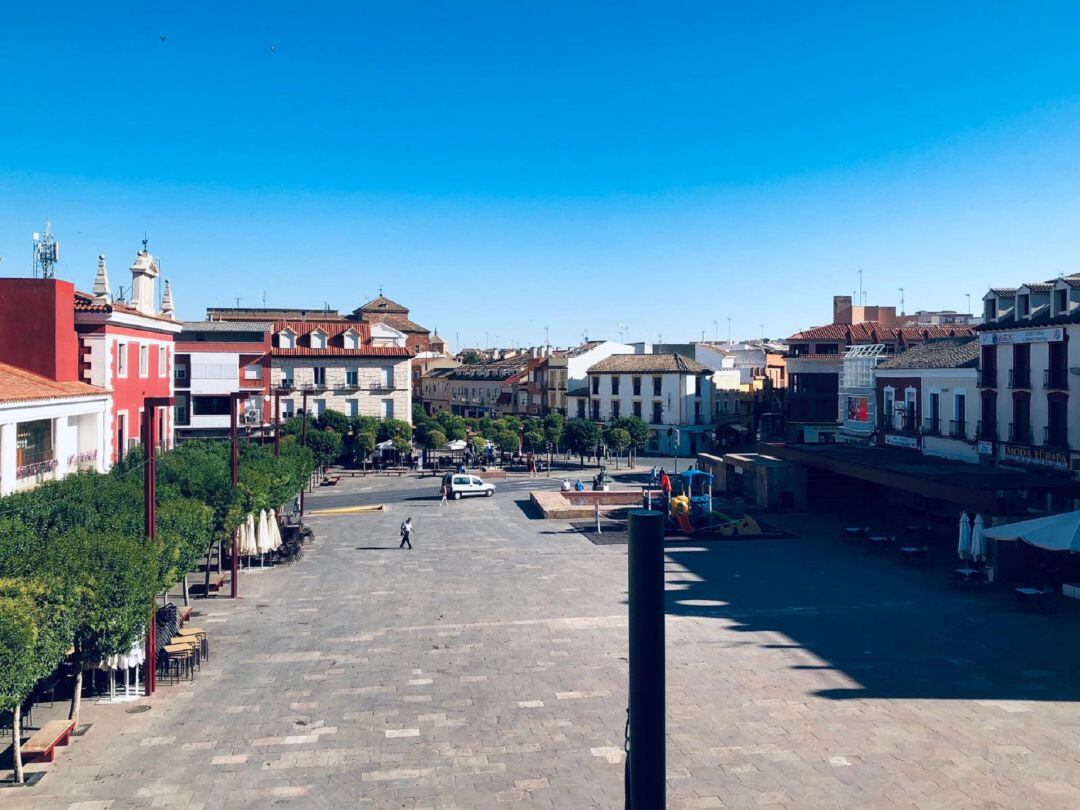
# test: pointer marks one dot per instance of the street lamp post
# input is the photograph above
(277, 422)
(303, 443)
(149, 439)
(235, 399)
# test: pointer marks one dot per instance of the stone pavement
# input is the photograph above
(488, 666)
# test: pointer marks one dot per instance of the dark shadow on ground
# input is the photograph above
(528, 508)
(375, 548)
(896, 630)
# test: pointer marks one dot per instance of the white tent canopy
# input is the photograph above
(1053, 533)
(455, 445)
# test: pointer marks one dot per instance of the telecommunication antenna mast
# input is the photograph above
(46, 253)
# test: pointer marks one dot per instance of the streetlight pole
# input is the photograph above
(235, 399)
(303, 443)
(277, 422)
(149, 438)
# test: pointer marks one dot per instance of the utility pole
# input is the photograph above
(861, 300)
(729, 330)
(303, 443)
(149, 439)
(902, 311)
(277, 421)
(235, 398)
(968, 303)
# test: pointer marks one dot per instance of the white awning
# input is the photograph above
(1053, 533)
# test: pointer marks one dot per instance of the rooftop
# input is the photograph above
(938, 353)
(19, 385)
(227, 326)
(872, 332)
(648, 364)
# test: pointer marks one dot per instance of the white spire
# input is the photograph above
(144, 273)
(166, 300)
(101, 282)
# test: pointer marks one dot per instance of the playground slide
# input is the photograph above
(683, 520)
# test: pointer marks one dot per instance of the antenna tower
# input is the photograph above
(46, 253)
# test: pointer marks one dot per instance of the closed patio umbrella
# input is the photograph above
(263, 533)
(963, 548)
(978, 540)
(275, 532)
(253, 538)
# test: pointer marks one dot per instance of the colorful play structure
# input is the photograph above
(691, 508)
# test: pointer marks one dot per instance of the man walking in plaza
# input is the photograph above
(406, 533)
(443, 493)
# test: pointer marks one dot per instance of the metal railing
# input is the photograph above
(1056, 378)
(1019, 378)
(905, 424)
(1056, 436)
(932, 426)
(988, 378)
(958, 428)
(986, 430)
(1019, 433)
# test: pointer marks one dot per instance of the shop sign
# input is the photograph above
(1051, 335)
(38, 468)
(907, 442)
(1035, 456)
(986, 448)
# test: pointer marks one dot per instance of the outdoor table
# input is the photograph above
(915, 552)
(880, 541)
(854, 533)
(1034, 597)
(967, 575)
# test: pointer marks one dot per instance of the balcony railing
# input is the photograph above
(987, 431)
(1056, 378)
(988, 378)
(932, 426)
(903, 424)
(1019, 433)
(1019, 378)
(958, 428)
(1055, 436)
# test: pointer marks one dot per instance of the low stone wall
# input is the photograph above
(557, 506)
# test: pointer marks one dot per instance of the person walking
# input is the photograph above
(406, 533)
(443, 493)
(665, 489)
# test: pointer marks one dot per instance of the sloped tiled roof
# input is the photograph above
(334, 348)
(399, 322)
(939, 353)
(19, 385)
(227, 326)
(648, 364)
(1039, 286)
(383, 304)
(84, 302)
(340, 351)
(872, 332)
(1004, 292)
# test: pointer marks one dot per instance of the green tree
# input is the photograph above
(582, 436)
(534, 440)
(617, 439)
(554, 426)
(453, 426)
(363, 445)
(402, 446)
(434, 440)
(326, 445)
(470, 358)
(394, 428)
(335, 421)
(479, 444)
(37, 624)
(638, 429)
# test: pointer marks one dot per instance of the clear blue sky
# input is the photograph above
(506, 166)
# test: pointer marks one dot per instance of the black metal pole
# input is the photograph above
(647, 756)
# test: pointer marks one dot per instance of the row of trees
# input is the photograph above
(77, 571)
(336, 438)
(625, 434)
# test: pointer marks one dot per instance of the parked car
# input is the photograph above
(458, 484)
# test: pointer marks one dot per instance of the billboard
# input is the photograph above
(1051, 335)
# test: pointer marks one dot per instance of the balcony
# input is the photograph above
(1056, 379)
(1056, 436)
(904, 424)
(988, 378)
(932, 426)
(1019, 433)
(958, 428)
(1019, 378)
(986, 430)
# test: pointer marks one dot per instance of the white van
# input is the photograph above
(458, 484)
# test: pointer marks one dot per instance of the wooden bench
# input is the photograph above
(330, 481)
(42, 744)
(216, 581)
(184, 613)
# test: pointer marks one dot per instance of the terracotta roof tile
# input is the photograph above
(648, 364)
(20, 385)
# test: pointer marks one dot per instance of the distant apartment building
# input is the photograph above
(672, 393)
(214, 359)
(486, 389)
(435, 390)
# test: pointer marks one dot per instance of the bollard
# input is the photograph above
(647, 758)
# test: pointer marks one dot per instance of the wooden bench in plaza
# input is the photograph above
(216, 581)
(42, 745)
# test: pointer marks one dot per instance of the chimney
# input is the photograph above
(101, 283)
(841, 309)
(166, 301)
(144, 273)
(37, 327)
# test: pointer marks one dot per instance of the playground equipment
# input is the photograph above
(691, 509)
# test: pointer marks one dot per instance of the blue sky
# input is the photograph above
(499, 167)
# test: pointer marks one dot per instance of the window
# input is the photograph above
(828, 348)
(287, 339)
(636, 382)
(388, 376)
(162, 365)
(990, 309)
(658, 413)
(388, 409)
(959, 425)
(580, 408)
(320, 376)
(691, 386)
(253, 372)
(352, 378)
(354, 407)
(318, 339)
(287, 379)
(616, 409)
(288, 408)
(595, 415)
(637, 409)
(596, 385)
(1023, 306)
(1061, 302)
(33, 447)
(210, 406)
(320, 407)
(657, 385)
(144, 360)
(121, 359)
(351, 340)
(615, 385)
(121, 435)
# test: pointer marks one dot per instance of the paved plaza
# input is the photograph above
(488, 666)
